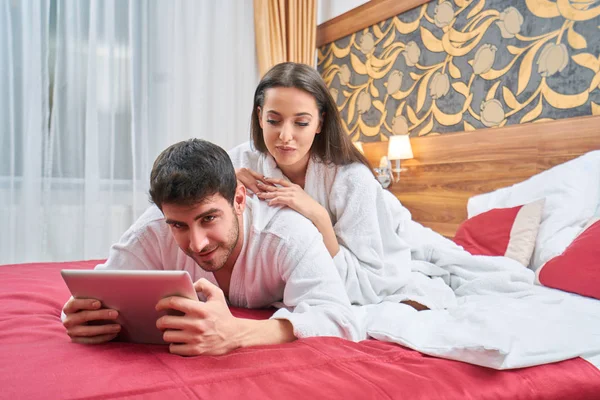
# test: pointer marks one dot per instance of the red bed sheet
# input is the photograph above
(37, 360)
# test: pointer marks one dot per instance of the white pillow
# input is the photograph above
(572, 193)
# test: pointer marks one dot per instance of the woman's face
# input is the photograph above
(290, 120)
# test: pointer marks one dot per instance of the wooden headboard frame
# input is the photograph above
(362, 17)
(449, 168)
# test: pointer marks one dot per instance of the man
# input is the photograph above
(236, 249)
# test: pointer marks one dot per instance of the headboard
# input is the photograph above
(448, 169)
(450, 166)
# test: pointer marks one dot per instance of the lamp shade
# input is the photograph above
(399, 148)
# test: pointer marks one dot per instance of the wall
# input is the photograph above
(329, 9)
(450, 66)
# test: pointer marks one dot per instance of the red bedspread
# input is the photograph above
(37, 360)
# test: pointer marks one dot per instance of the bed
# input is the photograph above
(37, 360)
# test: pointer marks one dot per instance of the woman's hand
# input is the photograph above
(250, 179)
(291, 195)
(294, 197)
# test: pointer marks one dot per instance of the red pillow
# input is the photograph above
(509, 232)
(577, 269)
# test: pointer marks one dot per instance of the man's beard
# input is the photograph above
(223, 248)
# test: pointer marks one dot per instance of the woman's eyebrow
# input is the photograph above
(300, 114)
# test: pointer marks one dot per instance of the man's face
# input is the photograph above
(208, 232)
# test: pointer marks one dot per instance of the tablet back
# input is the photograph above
(134, 294)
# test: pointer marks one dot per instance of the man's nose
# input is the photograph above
(198, 240)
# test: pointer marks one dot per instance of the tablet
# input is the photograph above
(134, 294)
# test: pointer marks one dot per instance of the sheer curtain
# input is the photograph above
(92, 91)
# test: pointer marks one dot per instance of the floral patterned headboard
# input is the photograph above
(459, 65)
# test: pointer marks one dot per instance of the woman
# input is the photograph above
(300, 157)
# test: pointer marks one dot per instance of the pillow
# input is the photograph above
(509, 232)
(577, 269)
(572, 193)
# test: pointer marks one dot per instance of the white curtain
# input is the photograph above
(90, 93)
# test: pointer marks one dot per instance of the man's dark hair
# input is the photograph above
(188, 172)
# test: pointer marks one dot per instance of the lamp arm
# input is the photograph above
(397, 170)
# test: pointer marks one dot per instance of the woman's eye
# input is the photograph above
(272, 121)
(302, 123)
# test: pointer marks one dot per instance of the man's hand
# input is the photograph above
(206, 328)
(81, 313)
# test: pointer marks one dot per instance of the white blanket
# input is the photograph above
(501, 320)
(484, 310)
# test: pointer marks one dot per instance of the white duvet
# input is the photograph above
(484, 310)
(495, 330)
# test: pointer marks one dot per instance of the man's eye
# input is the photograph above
(177, 226)
(209, 218)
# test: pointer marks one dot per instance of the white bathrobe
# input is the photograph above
(371, 226)
(283, 259)
(484, 310)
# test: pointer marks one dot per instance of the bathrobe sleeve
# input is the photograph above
(373, 261)
(315, 300)
(143, 246)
